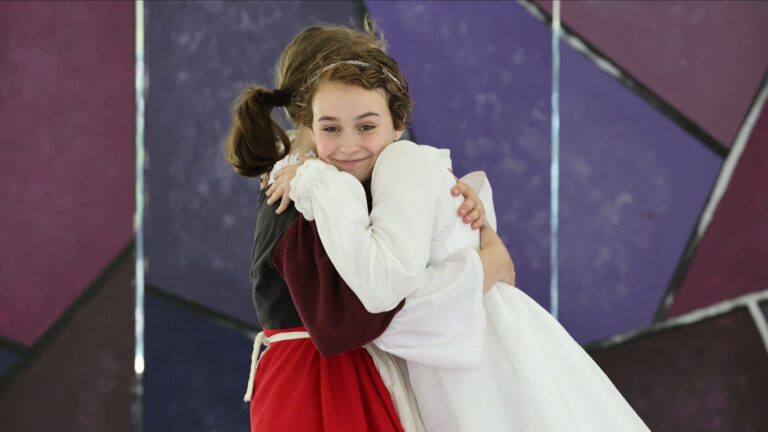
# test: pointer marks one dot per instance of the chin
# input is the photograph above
(360, 175)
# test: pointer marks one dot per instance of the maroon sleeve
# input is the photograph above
(333, 315)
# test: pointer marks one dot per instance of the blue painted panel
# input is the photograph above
(201, 215)
(7, 360)
(632, 182)
(196, 372)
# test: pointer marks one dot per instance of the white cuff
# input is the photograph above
(309, 175)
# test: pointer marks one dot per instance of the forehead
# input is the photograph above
(338, 99)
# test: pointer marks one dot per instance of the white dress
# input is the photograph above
(493, 362)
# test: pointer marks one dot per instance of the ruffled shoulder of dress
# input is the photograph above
(309, 175)
(291, 159)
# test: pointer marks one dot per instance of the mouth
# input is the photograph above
(351, 163)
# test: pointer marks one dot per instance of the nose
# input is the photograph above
(349, 144)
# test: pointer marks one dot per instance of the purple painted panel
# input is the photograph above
(706, 58)
(632, 182)
(709, 376)
(81, 381)
(731, 258)
(201, 214)
(478, 75)
(632, 187)
(66, 174)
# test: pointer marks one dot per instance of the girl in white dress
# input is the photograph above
(511, 366)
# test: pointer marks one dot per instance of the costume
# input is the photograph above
(525, 374)
(315, 374)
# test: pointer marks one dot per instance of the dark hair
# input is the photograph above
(255, 140)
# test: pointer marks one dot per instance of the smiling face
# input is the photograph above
(351, 126)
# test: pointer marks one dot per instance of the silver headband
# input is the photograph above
(352, 62)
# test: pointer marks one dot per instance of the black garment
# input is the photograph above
(270, 293)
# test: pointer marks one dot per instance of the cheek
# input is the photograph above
(377, 144)
(325, 147)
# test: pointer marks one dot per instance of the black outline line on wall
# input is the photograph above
(203, 311)
(31, 354)
(746, 301)
(12, 346)
(715, 196)
(605, 64)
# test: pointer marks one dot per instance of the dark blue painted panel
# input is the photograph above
(196, 372)
(632, 182)
(201, 215)
(7, 360)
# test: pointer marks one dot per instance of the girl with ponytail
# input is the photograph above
(320, 372)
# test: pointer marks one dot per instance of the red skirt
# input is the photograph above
(296, 389)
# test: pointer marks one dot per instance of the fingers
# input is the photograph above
(466, 208)
(275, 192)
(286, 170)
(284, 203)
(460, 189)
(275, 195)
(475, 217)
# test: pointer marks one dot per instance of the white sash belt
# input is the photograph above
(262, 339)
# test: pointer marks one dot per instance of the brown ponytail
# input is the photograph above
(253, 142)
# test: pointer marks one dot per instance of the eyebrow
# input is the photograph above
(360, 117)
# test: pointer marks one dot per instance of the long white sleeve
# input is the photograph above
(442, 322)
(443, 318)
(381, 256)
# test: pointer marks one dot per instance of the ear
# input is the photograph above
(398, 134)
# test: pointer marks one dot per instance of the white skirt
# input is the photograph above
(533, 377)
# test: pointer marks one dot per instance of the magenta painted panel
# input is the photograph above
(706, 58)
(709, 376)
(732, 258)
(81, 380)
(66, 172)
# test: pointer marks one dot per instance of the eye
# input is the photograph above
(367, 127)
(330, 129)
